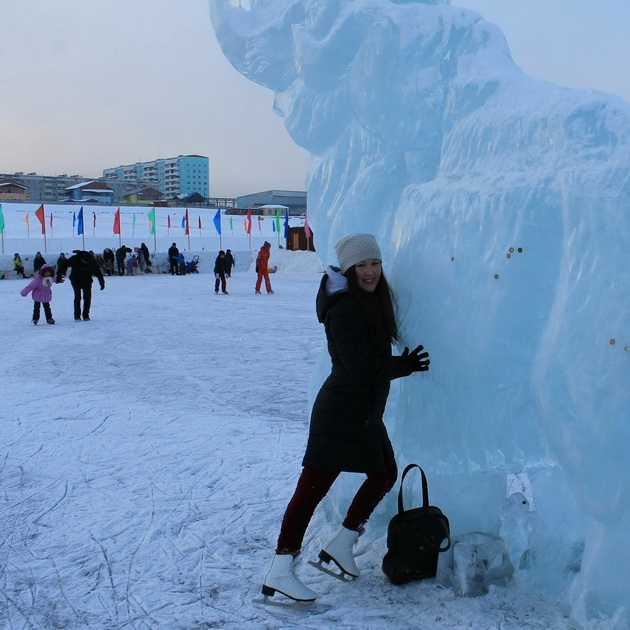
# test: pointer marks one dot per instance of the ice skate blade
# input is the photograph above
(296, 604)
(340, 575)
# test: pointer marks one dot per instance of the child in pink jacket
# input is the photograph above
(41, 286)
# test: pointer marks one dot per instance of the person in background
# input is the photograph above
(145, 252)
(121, 254)
(38, 262)
(262, 268)
(173, 253)
(219, 273)
(132, 265)
(83, 267)
(18, 265)
(41, 287)
(347, 433)
(61, 264)
(108, 261)
(229, 263)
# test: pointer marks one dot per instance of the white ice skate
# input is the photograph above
(339, 550)
(281, 578)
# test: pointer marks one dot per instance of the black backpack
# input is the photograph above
(415, 538)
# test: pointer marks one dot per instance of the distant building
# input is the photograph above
(294, 200)
(52, 188)
(89, 192)
(181, 175)
(142, 196)
(12, 190)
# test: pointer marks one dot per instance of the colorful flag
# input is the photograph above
(217, 222)
(51, 219)
(199, 222)
(74, 220)
(187, 230)
(26, 219)
(117, 222)
(277, 220)
(183, 221)
(1, 220)
(133, 222)
(286, 223)
(80, 221)
(93, 219)
(307, 227)
(39, 213)
(151, 217)
(273, 225)
(249, 222)
(231, 226)
(168, 221)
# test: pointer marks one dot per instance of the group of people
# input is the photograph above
(83, 268)
(125, 261)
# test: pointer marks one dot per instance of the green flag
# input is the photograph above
(278, 220)
(133, 223)
(1, 219)
(151, 215)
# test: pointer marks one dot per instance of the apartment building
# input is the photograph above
(181, 175)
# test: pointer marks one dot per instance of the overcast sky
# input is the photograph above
(88, 85)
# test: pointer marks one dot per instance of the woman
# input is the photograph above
(347, 431)
(262, 268)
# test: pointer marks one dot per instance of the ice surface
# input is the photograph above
(147, 456)
(501, 205)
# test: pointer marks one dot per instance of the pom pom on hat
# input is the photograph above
(354, 248)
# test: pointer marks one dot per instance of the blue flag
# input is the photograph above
(184, 221)
(74, 220)
(80, 222)
(286, 223)
(217, 222)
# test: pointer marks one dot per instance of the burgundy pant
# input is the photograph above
(312, 487)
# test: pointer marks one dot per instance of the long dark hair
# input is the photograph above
(378, 307)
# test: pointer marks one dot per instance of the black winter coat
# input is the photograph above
(347, 431)
(82, 272)
(220, 265)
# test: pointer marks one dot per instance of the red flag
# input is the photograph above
(51, 219)
(117, 222)
(249, 222)
(307, 227)
(199, 222)
(169, 221)
(187, 228)
(39, 213)
(93, 219)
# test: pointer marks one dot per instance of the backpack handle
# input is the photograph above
(425, 488)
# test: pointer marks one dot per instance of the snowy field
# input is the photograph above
(146, 458)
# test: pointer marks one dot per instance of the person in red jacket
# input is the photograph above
(262, 267)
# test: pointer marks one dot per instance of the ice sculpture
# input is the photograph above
(501, 203)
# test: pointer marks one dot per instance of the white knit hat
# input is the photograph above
(354, 248)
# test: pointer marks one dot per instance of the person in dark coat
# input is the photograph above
(121, 254)
(145, 252)
(83, 266)
(229, 263)
(173, 259)
(38, 262)
(61, 264)
(108, 261)
(219, 273)
(347, 432)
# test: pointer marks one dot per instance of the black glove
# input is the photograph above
(102, 286)
(414, 361)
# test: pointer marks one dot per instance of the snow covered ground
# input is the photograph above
(146, 458)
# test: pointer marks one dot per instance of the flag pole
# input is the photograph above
(154, 230)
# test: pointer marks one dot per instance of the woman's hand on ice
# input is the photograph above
(416, 360)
